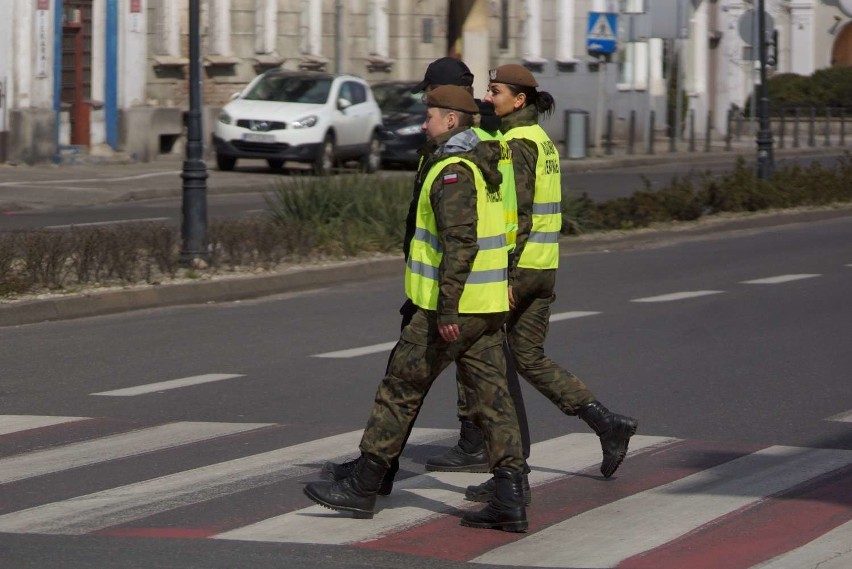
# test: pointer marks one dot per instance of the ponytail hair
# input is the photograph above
(542, 100)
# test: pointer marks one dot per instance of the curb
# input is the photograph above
(203, 292)
(306, 278)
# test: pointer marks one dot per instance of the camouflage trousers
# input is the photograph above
(418, 359)
(526, 332)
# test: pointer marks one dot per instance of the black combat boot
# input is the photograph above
(355, 493)
(614, 431)
(505, 509)
(337, 471)
(467, 456)
(485, 491)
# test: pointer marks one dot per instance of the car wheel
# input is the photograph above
(324, 161)
(274, 163)
(372, 161)
(225, 163)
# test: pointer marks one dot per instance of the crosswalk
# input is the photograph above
(674, 503)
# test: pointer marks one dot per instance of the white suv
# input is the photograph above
(301, 116)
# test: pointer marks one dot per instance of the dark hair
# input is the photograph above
(543, 101)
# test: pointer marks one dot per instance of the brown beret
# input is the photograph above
(452, 97)
(513, 74)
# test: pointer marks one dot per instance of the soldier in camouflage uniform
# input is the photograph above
(456, 276)
(532, 275)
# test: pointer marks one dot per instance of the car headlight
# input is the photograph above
(224, 117)
(409, 130)
(306, 122)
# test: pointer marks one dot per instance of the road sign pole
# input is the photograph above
(600, 110)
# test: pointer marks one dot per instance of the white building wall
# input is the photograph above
(698, 65)
(802, 41)
(132, 54)
(6, 83)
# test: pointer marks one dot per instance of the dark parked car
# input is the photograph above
(403, 114)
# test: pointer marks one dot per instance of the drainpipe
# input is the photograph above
(338, 36)
(57, 70)
(111, 79)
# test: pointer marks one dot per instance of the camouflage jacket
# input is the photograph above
(455, 209)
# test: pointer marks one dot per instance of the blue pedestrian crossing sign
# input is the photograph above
(601, 36)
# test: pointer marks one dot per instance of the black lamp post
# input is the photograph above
(194, 221)
(765, 161)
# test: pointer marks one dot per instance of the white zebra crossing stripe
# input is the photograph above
(113, 447)
(415, 501)
(170, 384)
(664, 513)
(15, 423)
(830, 551)
(119, 505)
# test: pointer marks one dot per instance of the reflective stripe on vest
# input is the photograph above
(542, 248)
(510, 196)
(486, 289)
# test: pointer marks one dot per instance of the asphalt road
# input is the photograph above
(739, 338)
(151, 192)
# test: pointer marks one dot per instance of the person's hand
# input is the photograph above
(511, 298)
(449, 332)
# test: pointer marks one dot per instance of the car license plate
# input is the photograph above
(258, 137)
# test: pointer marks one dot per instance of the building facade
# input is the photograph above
(111, 75)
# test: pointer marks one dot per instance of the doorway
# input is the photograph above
(841, 55)
(76, 81)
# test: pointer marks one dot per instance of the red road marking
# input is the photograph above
(565, 498)
(761, 531)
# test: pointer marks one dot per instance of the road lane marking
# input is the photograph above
(570, 315)
(166, 385)
(667, 512)
(780, 279)
(16, 423)
(677, 296)
(75, 455)
(99, 223)
(420, 499)
(356, 352)
(82, 180)
(845, 417)
(388, 346)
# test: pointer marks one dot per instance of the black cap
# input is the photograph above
(445, 71)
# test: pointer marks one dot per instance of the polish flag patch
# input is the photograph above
(450, 178)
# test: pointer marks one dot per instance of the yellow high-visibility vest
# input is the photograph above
(510, 196)
(486, 289)
(542, 248)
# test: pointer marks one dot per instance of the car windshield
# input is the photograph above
(287, 89)
(398, 98)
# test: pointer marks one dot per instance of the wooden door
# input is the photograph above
(841, 55)
(76, 87)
